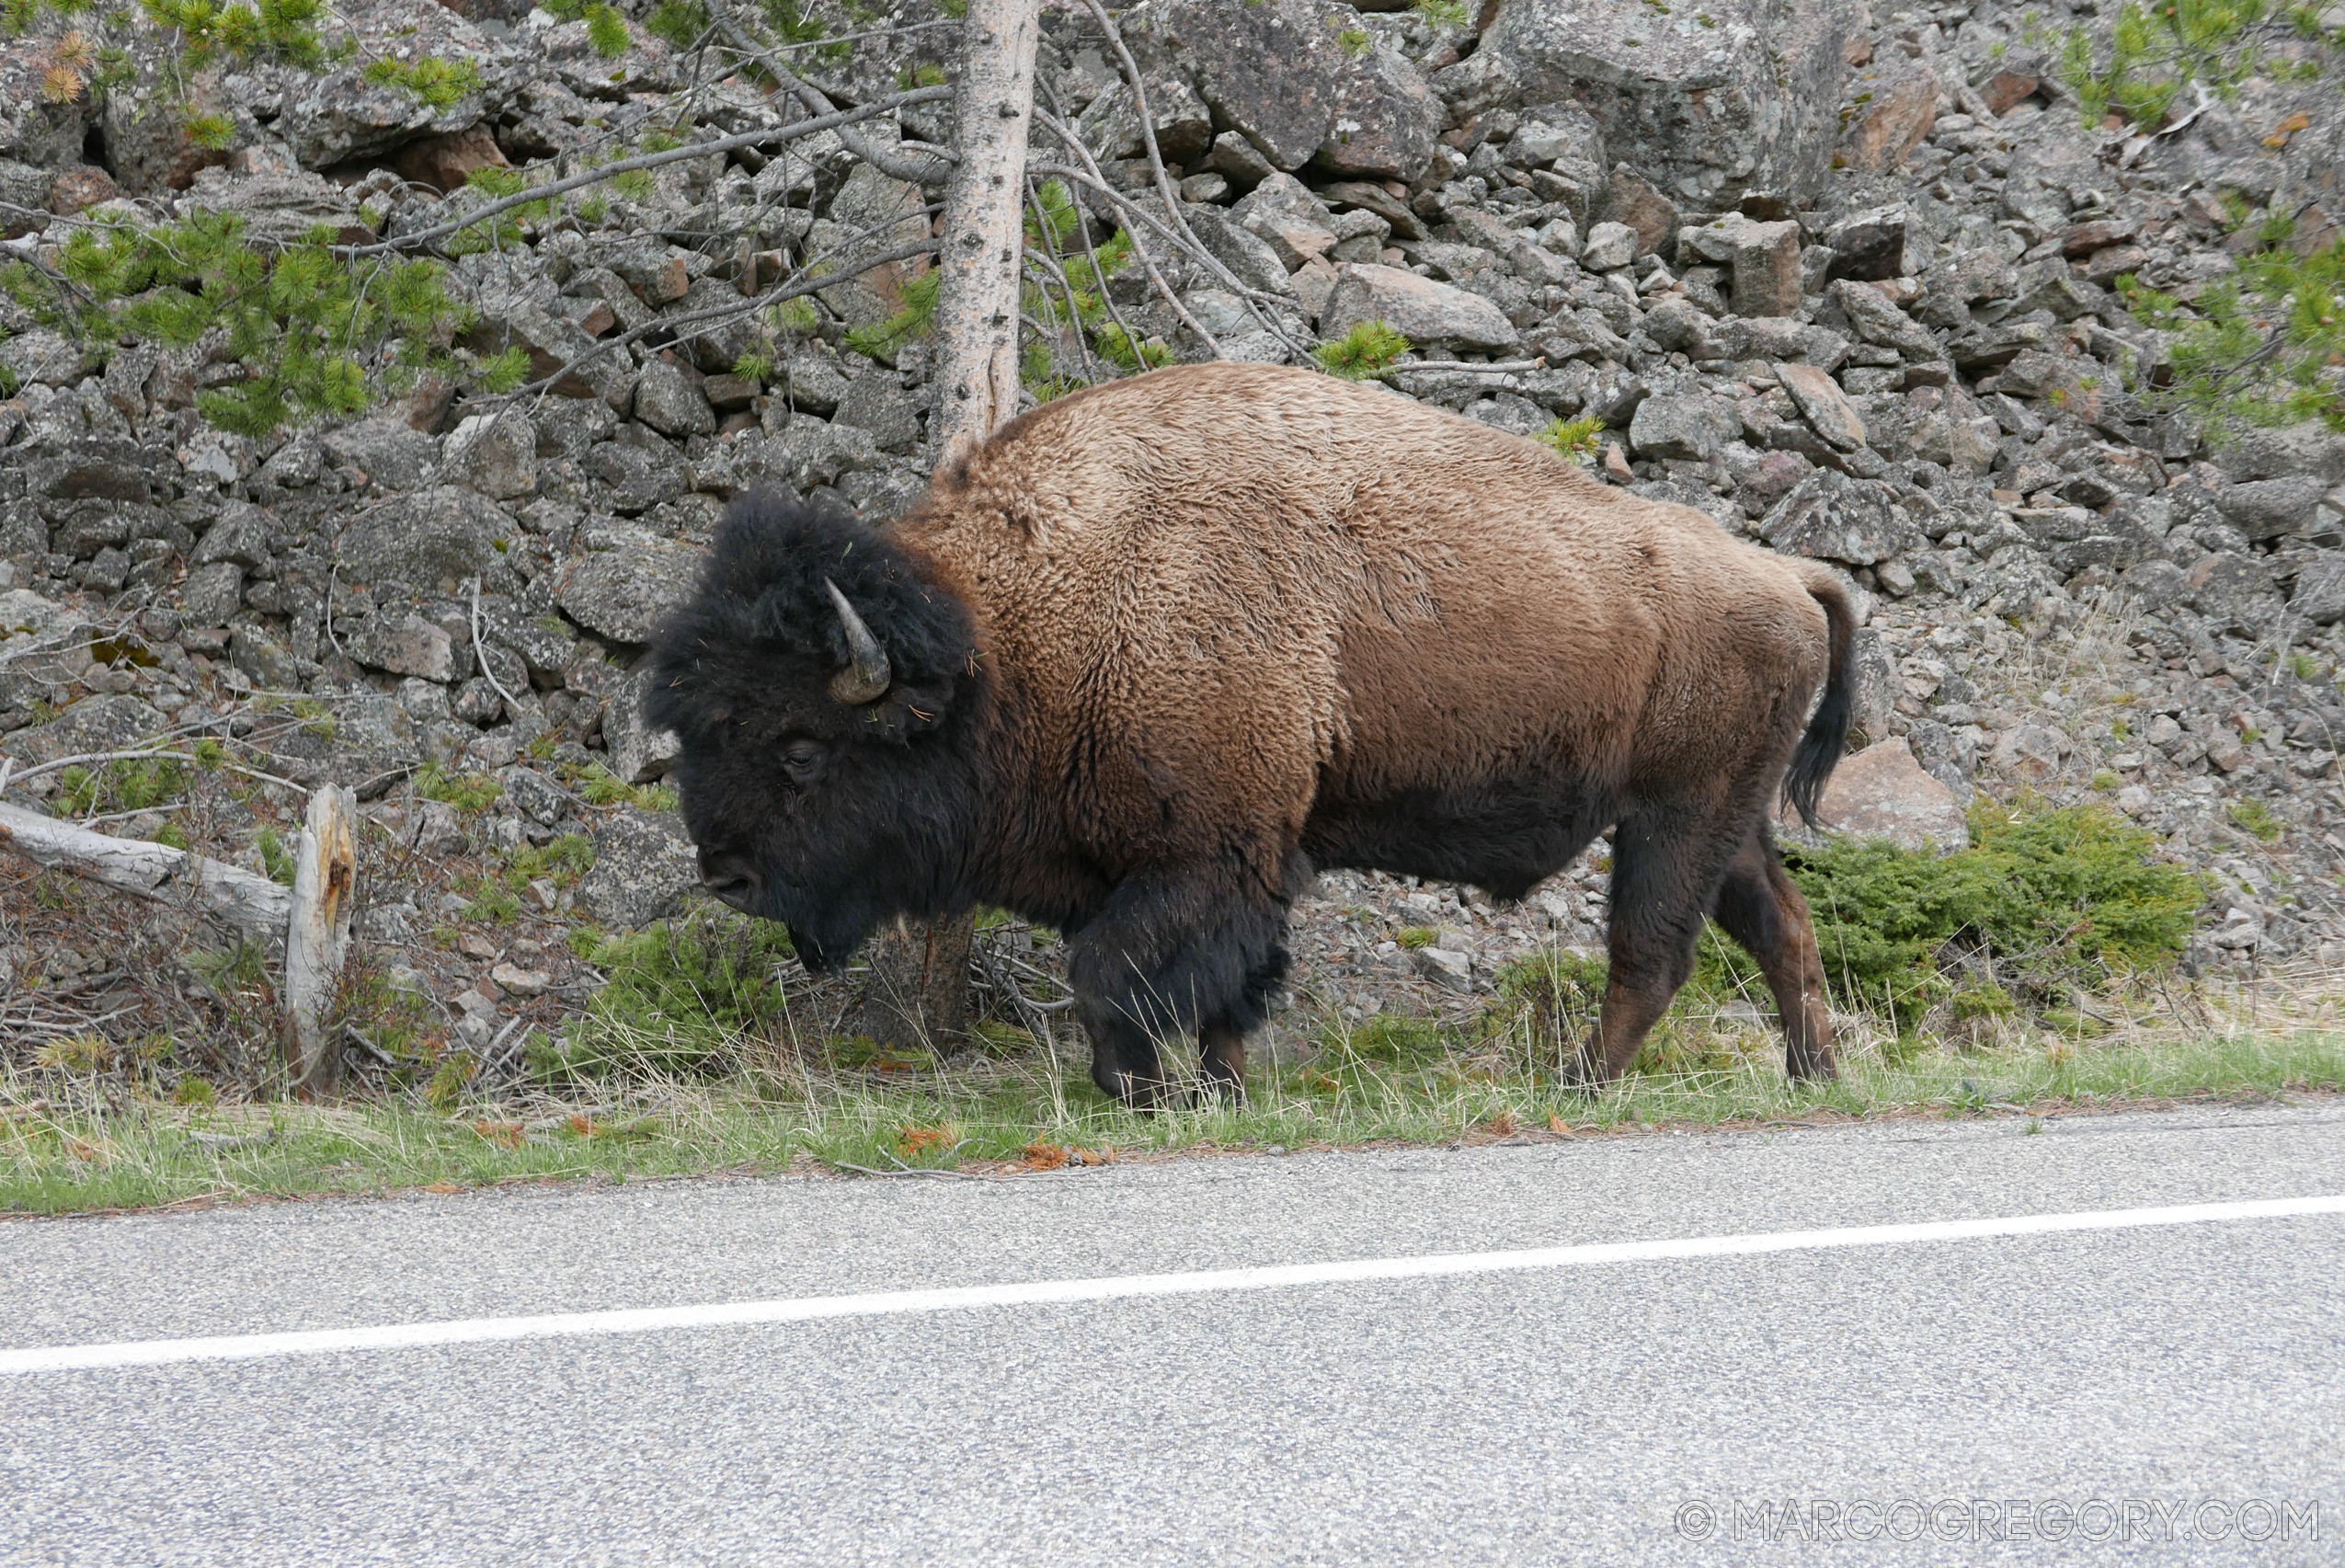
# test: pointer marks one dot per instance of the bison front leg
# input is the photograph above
(1170, 958)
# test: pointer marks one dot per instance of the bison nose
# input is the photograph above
(729, 876)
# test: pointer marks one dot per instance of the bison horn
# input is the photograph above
(866, 677)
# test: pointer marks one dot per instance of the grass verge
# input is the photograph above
(1400, 1083)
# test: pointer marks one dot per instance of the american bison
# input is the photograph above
(1159, 650)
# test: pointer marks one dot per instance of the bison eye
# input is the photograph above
(802, 761)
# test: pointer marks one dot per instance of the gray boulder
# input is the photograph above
(2234, 591)
(241, 535)
(1271, 70)
(1689, 425)
(748, 462)
(1869, 244)
(1387, 120)
(496, 454)
(624, 591)
(2320, 594)
(1710, 105)
(443, 534)
(537, 796)
(2266, 509)
(877, 402)
(1250, 258)
(1183, 124)
(643, 867)
(270, 665)
(1764, 258)
(95, 467)
(812, 452)
(1831, 517)
(1430, 314)
(393, 454)
(1883, 793)
(38, 355)
(669, 400)
(278, 205)
(1825, 407)
(556, 343)
(211, 594)
(407, 645)
(1782, 337)
(639, 753)
(35, 128)
(640, 476)
(339, 114)
(2307, 448)
(112, 723)
(1609, 247)
(1877, 320)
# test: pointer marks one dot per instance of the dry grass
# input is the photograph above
(1032, 1108)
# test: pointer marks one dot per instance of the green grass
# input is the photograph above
(1394, 1081)
(2020, 973)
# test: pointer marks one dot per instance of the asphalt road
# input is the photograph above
(2158, 1393)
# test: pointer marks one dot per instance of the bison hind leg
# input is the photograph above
(1762, 909)
(1171, 956)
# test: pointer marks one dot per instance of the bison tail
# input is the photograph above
(1819, 750)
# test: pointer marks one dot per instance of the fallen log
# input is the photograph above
(252, 904)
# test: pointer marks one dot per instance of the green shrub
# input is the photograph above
(1368, 347)
(1128, 353)
(2059, 896)
(2256, 817)
(912, 320)
(680, 996)
(2155, 52)
(601, 786)
(1384, 1053)
(468, 792)
(2056, 897)
(1575, 440)
(2261, 347)
(274, 856)
(303, 321)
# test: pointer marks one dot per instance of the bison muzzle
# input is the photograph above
(1145, 660)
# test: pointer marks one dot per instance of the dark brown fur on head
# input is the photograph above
(828, 815)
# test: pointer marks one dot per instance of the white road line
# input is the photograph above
(886, 1303)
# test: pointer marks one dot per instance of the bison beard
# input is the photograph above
(1158, 651)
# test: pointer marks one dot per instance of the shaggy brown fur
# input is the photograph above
(1229, 623)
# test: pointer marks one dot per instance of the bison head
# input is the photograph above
(826, 690)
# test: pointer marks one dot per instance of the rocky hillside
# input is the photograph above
(1840, 281)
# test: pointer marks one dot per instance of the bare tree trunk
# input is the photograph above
(316, 937)
(919, 992)
(977, 306)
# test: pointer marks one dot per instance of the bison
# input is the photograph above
(1143, 662)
